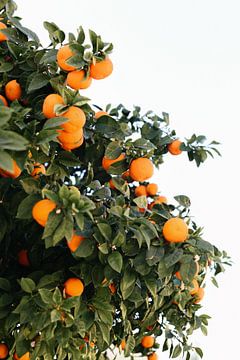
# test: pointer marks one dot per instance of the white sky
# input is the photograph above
(181, 57)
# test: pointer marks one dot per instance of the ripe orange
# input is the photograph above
(123, 344)
(39, 169)
(13, 90)
(13, 174)
(70, 137)
(194, 287)
(147, 341)
(26, 356)
(153, 356)
(159, 200)
(41, 211)
(77, 80)
(199, 295)
(63, 54)
(75, 241)
(49, 103)
(152, 189)
(111, 185)
(106, 162)
(174, 147)
(141, 190)
(125, 175)
(141, 169)
(98, 114)
(3, 37)
(72, 145)
(3, 101)
(112, 288)
(101, 69)
(175, 230)
(3, 351)
(23, 258)
(76, 119)
(73, 287)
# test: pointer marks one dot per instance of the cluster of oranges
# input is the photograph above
(81, 79)
(4, 351)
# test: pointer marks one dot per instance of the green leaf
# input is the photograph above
(5, 114)
(85, 249)
(10, 140)
(30, 185)
(25, 208)
(130, 345)
(46, 296)
(5, 284)
(173, 258)
(6, 161)
(177, 351)
(115, 260)
(113, 150)
(107, 126)
(54, 123)
(154, 255)
(127, 283)
(38, 81)
(53, 222)
(141, 201)
(188, 270)
(28, 285)
(183, 200)
(105, 230)
(199, 351)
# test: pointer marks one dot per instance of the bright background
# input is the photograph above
(181, 57)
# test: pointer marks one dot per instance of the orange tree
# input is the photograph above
(92, 256)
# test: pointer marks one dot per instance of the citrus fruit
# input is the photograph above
(41, 211)
(73, 287)
(13, 90)
(49, 104)
(141, 169)
(101, 69)
(175, 230)
(77, 80)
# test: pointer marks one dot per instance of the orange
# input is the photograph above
(112, 288)
(75, 241)
(152, 356)
(13, 90)
(3, 351)
(125, 175)
(147, 341)
(175, 230)
(123, 344)
(41, 211)
(199, 295)
(72, 145)
(3, 37)
(111, 185)
(152, 189)
(26, 356)
(106, 162)
(39, 169)
(49, 103)
(98, 114)
(73, 137)
(194, 287)
(73, 287)
(63, 54)
(23, 258)
(159, 200)
(77, 80)
(13, 174)
(141, 190)
(101, 69)
(76, 119)
(141, 169)
(174, 147)
(3, 101)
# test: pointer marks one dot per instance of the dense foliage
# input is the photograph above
(135, 282)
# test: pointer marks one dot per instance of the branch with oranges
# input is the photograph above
(94, 258)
